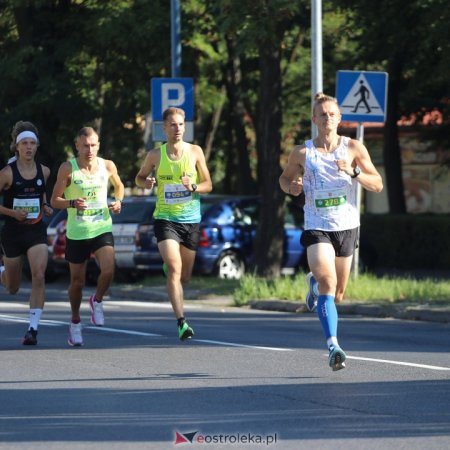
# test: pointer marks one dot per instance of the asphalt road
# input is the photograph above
(249, 379)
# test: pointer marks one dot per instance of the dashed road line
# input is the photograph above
(55, 323)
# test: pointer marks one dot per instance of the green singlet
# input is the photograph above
(174, 201)
(96, 219)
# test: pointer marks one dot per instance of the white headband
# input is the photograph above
(26, 134)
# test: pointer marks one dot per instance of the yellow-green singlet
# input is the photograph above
(174, 201)
(96, 219)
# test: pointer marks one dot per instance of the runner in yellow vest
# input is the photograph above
(181, 176)
(82, 188)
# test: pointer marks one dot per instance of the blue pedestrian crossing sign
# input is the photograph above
(362, 96)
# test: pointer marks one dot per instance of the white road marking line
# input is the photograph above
(9, 305)
(13, 319)
(57, 323)
(399, 363)
(50, 323)
(165, 305)
(231, 344)
(107, 304)
(118, 330)
(54, 323)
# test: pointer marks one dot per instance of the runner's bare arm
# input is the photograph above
(369, 178)
(62, 181)
(290, 180)
(205, 184)
(150, 164)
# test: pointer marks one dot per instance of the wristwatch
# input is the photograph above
(356, 172)
(194, 187)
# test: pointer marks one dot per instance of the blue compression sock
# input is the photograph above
(327, 312)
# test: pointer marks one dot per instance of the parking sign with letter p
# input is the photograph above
(176, 92)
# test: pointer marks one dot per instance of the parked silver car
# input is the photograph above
(135, 210)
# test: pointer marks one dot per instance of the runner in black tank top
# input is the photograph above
(23, 183)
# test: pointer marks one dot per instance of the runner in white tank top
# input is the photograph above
(330, 194)
(331, 166)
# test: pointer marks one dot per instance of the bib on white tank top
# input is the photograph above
(330, 194)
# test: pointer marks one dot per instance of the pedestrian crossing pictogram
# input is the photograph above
(362, 95)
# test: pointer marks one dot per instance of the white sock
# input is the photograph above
(2, 268)
(35, 317)
(332, 342)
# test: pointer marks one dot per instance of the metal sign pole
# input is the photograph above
(316, 57)
(175, 32)
(360, 137)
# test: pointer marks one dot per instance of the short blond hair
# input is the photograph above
(320, 98)
(85, 131)
(172, 111)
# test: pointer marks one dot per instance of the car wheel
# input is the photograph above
(230, 266)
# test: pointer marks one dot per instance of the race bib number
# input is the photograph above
(176, 193)
(30, 205)
(332, 198)
(93, 212)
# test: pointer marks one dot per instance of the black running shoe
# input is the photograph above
(185, 332)
(30, 337)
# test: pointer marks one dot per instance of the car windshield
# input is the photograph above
(213, 208)
(227, 209)
(247, 214)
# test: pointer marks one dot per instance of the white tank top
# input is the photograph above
(330, 194)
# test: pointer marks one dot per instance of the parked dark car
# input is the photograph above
(228, 228)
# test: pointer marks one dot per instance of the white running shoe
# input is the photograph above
(75, 338)
(336, 358)
(97, 316)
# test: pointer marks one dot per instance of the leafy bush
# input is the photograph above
(407, 241)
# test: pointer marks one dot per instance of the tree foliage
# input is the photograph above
(69, 63)
(66, 64)
(411, 43)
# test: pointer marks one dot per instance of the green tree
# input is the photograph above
(254, 32)
(66, 64)
(267, 79)
(415, 53)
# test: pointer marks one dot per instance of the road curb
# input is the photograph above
(398, 311)
(406, 311)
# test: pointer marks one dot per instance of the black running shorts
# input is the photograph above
(186, 234)
(79, 250)
(343, 242)
(18, 239)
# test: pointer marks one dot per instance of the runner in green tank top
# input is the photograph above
(181, 176)
(82, 188)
